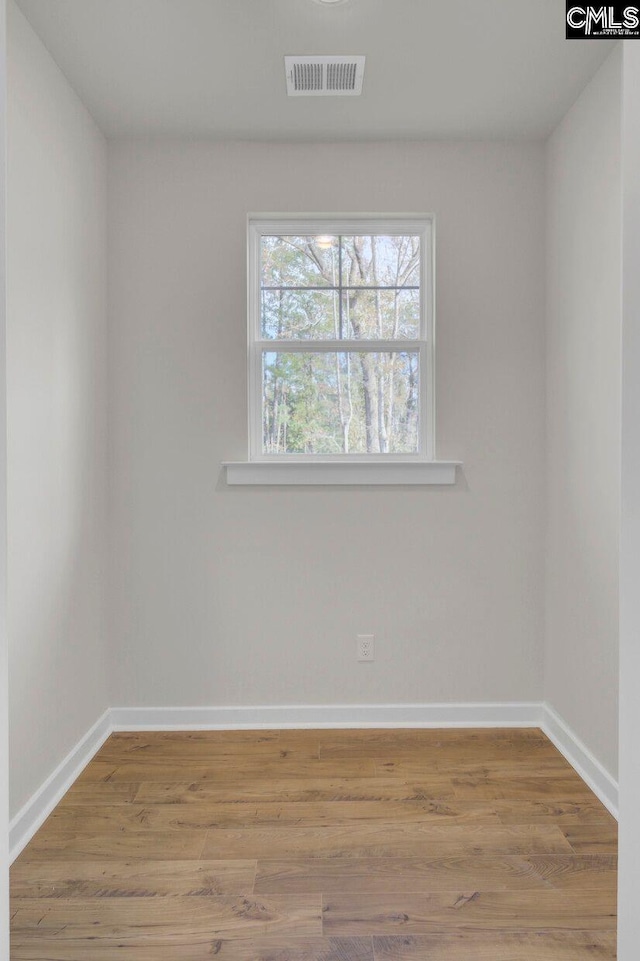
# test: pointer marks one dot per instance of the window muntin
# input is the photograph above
(352, 288)
(341, 345)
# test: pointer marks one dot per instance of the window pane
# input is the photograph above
(299, 261)
(340, 402)
(304, 314)
(379, 261)
(381, 314)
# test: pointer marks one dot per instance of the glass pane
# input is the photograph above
(299, 261)
(340, 402)
(381, 314)
(304, 314)
(380, 261)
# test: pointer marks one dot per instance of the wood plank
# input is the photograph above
(418, 737)
(155, 921)
(432, 875)
(353, 915)
(437, 745)
(396, 875)
(303, 789)
(472, 767)
(384, 839)
(167, 817)
(250, 949)
(580, 871)
(320, 949)
(499, 946)
(149, 845)
(252, 739)
(232, 735)
(203, 746)
(415, 762)
(506, 787)
(225, 769)
(105, 792)
(554, 811)
(130, 879)
(593, 838)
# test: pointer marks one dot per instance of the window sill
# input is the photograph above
(342, 472)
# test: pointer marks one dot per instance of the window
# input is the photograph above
(341, 338)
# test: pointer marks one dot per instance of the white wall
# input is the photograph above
(248, 596)
(583, 252)
(629, 867)
(4, 659)
(56, 347)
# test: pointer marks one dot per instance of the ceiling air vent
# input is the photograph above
(324, 76)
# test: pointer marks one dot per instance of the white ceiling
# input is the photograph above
(470, 69)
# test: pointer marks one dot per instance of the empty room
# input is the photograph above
(321, 480)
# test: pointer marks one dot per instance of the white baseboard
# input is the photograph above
(592, 772)
(40, 805)
(521, 714)
(517, 714)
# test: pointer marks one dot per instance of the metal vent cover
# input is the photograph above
(324, 76)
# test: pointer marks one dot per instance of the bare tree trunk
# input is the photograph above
(396, 325)
(349, 418)
(310, 441)
(415, 412)
(383, 437)
(284, 422)
(403, 272)
(276, 418)
(369, 384)
(367, 366)
(345, 421)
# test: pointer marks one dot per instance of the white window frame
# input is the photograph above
(260, 225)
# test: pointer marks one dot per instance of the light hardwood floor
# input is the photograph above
(327, 845)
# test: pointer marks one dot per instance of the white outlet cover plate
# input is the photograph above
(365, 642)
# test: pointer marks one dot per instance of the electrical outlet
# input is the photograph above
(364, 647)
